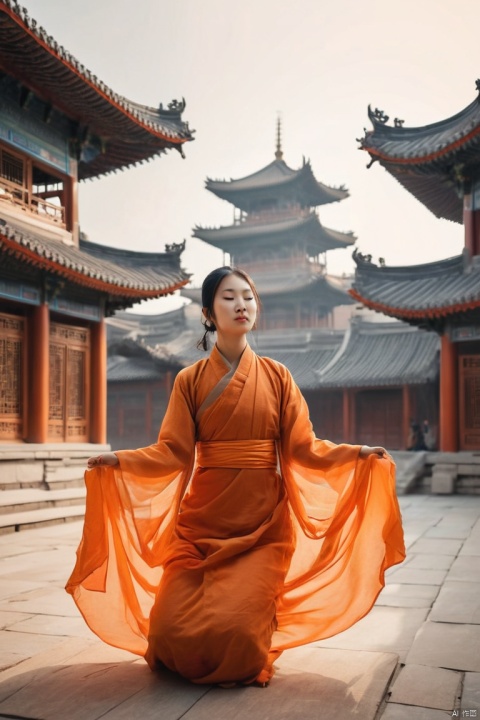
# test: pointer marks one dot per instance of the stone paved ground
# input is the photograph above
(416, 656)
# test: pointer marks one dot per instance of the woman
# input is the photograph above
(277, 538)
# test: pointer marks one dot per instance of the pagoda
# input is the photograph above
(440, 165)
(60, 124)
(278, 239)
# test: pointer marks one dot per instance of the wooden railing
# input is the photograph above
(21, 197)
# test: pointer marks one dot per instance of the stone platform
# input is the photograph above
(416, 656)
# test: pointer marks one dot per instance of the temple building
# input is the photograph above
(440, 165)
(278, 239)
(60, 124)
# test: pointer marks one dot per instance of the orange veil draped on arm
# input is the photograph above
(130, 515)
(347, 528)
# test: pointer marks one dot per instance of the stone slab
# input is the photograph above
(162, 696)
(310, 683)
(11, 588)
(43, 557)
(52, 625)
(471, 692)
(457, 602)
(43, 515)
(447, 645)
(426, 686)
(448, 531)
(424, 561)
(465, 569)
(416, 596)
(10, 550)
(65, 652)
(26, 644)
(413, 576)
(384, 629)
(407, 712)
(7, 619)
(27, 496)
(43, 601)
(470, 547)
(76, 692)
(436, 546)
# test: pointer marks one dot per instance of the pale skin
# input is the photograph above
(234, 313)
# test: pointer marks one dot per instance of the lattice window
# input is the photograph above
(11, 377)
(12, 168)
(69, 382)
(76, 384)
(57, 382)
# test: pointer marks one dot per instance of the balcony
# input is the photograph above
(19, 198)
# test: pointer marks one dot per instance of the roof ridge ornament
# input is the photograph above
(377, 116)
(279, 151)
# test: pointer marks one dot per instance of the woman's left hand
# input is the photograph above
(366, 450)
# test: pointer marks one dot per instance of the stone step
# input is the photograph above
(13, 522)
(27, 499)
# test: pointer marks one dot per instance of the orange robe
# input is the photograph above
(213, 562)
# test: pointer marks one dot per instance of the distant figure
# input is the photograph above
(416, 440)
(429, 436)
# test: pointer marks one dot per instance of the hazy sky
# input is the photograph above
(240, 62)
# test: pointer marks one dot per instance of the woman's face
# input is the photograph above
(234, 306)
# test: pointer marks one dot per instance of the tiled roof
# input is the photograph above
(278, 178)
(432, 162)
(134, 361)
(274, 285)
(368, 355)
(131, 369)
(303, 352)
(320, 238)
(129, 132)
(432, 290)
(123, 273)
(382, 354)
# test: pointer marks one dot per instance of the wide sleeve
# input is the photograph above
(130, 515)
(346, 523)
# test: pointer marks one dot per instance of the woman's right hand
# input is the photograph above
(108, 458)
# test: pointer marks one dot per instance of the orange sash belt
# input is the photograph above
(237, 454)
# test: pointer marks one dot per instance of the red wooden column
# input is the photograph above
(98, 373)
(471, 219)
(448, 396)
(39, 375)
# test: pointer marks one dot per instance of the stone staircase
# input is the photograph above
(410, 468)
(42, 484)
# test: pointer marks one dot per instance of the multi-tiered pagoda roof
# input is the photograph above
(49, 90)
(108, 130)
(436, 162)
(279, 180)
(426, 294)
(306, 225)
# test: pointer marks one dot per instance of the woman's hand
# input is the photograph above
(108, 458)
(366, 450)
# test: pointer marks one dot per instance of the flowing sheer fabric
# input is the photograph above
(213, 571)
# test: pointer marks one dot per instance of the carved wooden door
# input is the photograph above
(69, 383)
(12, 377)
(469, 405)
